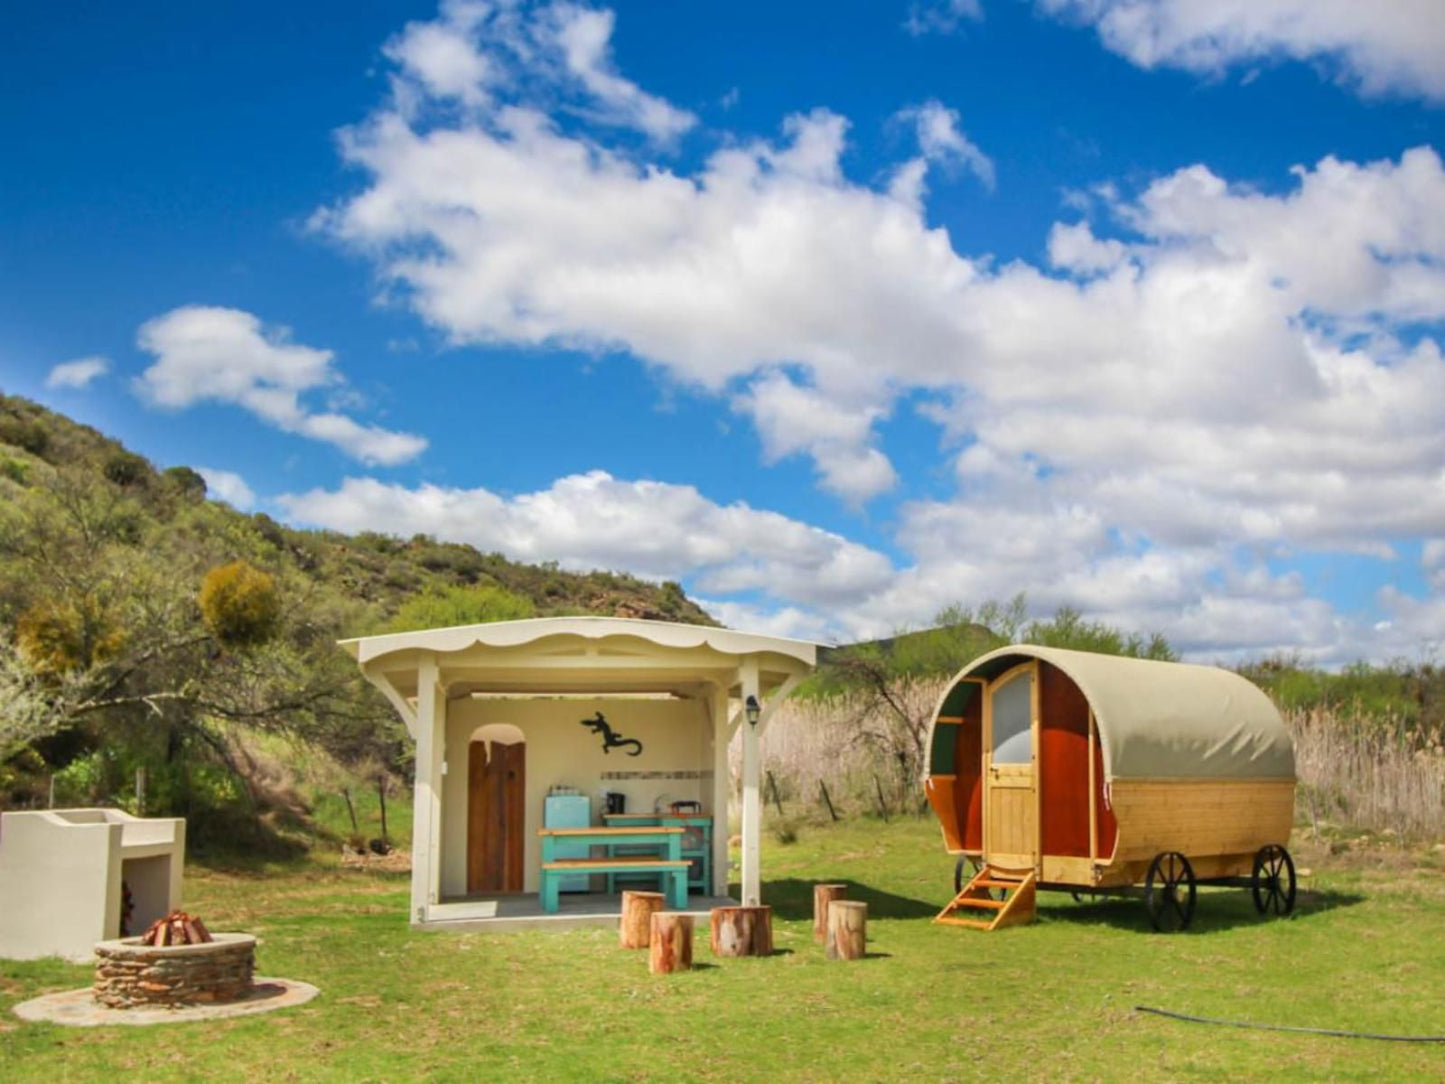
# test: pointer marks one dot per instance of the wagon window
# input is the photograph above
(1013, 736)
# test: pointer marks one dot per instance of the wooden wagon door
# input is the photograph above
(495, 785)
(1011, 786)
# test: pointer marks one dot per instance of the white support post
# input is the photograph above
(431, 715)
(721, 789)
(752, 804)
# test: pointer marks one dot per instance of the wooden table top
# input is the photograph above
(604, 832)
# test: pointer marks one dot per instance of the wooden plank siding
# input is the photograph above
(1200, 817)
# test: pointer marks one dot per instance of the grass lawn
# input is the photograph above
(1365, 951)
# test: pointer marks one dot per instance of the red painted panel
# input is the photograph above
(1063, 765)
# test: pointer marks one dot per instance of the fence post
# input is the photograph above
(828, 801)
(773, 786)
(882, 805)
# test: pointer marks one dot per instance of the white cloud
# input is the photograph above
(653, 529)
(1073, 247)
(1203, 373)
(585, 35)
(942, 141)
(477, 52)
(228, 486)
(940, 16)
(205, 353)
(1432, 559)
(440, 55)
(792, 419)
(1396, 47)
(78, 373)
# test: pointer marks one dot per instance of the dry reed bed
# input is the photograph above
(1353, 772)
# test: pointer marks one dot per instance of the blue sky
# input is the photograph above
(836, 314)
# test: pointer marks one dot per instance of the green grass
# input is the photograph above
(1054, 1000)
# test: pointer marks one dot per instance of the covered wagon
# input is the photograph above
(1055, 769)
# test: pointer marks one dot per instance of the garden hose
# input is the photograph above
(1287, 1027)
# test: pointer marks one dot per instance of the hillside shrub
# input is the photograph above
(58, 638)
(126, 469)
(438, 609)
(240, 604)
(186, 482)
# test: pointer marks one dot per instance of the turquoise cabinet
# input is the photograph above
(696, 845)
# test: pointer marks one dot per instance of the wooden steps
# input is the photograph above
(1015, 909)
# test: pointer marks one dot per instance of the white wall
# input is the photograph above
(560, 751)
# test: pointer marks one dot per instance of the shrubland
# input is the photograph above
(160, 647)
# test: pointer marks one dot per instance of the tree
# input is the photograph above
(110, 640)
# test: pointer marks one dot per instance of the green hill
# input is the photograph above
(381, 570)
(146, 627)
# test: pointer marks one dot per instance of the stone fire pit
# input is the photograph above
(130, 974)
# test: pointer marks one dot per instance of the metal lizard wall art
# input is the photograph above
(611, 740)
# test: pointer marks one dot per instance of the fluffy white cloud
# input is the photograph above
(1203, 373)
(228, 486)
(567, 44)
(206, 353)
(78, 373)
(586, 521)
(1394, 47)
(792, 419)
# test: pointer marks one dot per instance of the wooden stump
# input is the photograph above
(742, 931)
(635, 929)
(671, 943)
(847, 929)
(822, 896)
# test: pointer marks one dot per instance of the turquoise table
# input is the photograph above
(696, 842)
(664, 858)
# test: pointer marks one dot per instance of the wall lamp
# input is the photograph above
(751, 708)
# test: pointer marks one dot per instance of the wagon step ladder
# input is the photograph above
(1015, 909)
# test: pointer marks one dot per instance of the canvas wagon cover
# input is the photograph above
(1166, 720)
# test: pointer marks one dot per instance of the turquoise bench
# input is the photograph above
(672, 871)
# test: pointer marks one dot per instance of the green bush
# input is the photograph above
(448, 606)
(127, 469)
(186, 482)
(17, 470)
(25, 433)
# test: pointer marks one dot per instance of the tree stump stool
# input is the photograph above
(742, 931)
(635, 929)
(847, 929)
(822, 896)
(671, 943)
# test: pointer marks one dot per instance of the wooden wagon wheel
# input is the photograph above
(1273, 882)
(960, 879)
(1169, 892)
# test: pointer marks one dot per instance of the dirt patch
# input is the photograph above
(395, 862)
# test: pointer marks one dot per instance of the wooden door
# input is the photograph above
(496, 782)
(1011, 790)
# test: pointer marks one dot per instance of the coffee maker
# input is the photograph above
(614, 802)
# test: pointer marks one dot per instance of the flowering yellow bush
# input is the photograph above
(240, 604)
